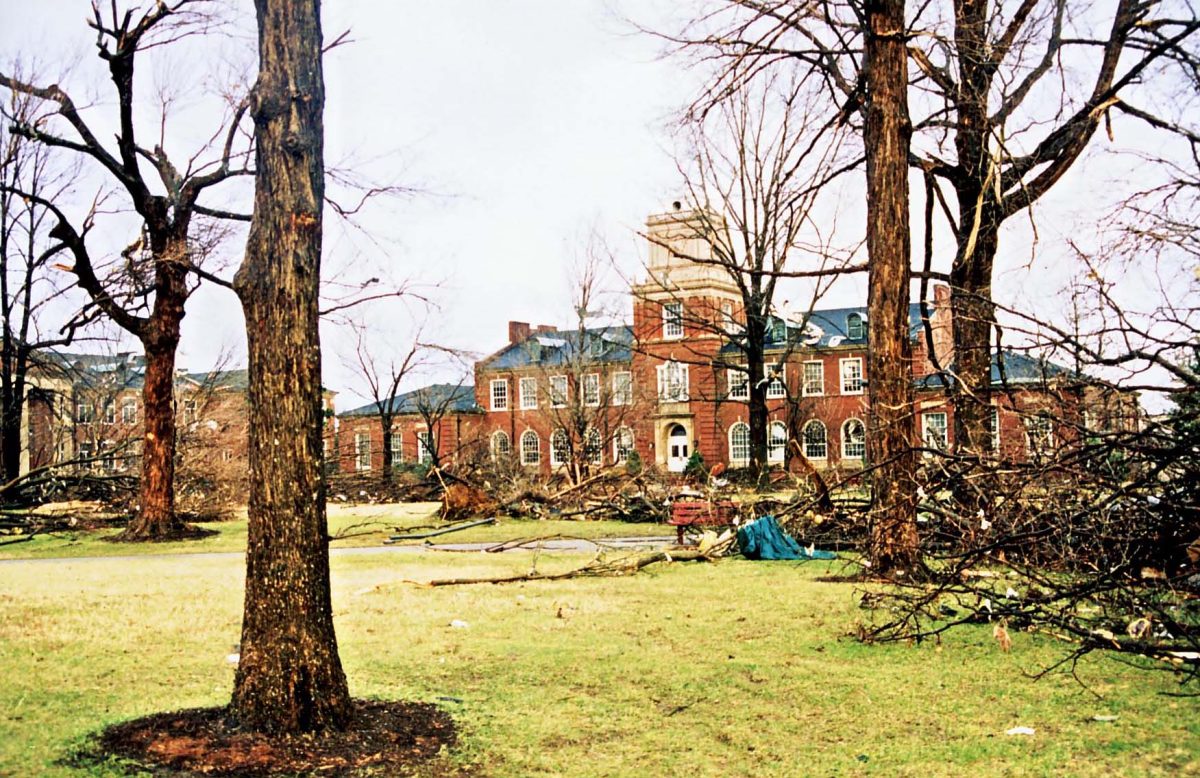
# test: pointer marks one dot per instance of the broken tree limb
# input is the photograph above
(442, 531)
(597, 568)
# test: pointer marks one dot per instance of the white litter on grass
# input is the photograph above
(1020, 731)
(459, 624)
(233, 659)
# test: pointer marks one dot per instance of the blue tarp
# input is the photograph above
(763, 539)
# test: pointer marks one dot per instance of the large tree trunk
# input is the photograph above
(893, 547)
(290, 678)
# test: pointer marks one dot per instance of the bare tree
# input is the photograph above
(290, 677)
(755, 168)
(27, 283)
(145, 293)
(383, 376)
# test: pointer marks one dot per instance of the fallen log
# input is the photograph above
(595, 569)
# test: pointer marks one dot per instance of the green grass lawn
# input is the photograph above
(354, 525)
(734, 668)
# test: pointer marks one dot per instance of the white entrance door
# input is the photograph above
(677, 449)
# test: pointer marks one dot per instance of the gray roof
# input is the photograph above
(458, 398)
(1019, 369)
(598, 345)
(827, 328)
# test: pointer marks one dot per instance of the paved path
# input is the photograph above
(558, 544)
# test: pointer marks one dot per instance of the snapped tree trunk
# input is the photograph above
(893, 546)
(290, 678)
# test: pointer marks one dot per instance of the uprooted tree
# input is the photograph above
(290, 677)
(145, 291)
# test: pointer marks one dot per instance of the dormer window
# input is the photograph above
(854, 327)
(778, 330)
(672, 314)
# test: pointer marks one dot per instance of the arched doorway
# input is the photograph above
(677, 448)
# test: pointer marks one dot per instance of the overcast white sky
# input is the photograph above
(526, 124)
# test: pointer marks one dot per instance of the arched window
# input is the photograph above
(739, 444)
(854, 327)
(854, 439)
(560, 447)
(531, 448)
(776, 441)
(622, 444)
(815, 440)
(593, 447)
(501, 445)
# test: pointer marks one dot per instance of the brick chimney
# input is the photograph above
(546, 328)
(517, 331)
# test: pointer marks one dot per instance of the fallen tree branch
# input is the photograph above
(626, 565)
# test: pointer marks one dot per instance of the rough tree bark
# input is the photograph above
(290, 678)
(893, 546)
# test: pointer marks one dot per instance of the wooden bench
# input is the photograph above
(701, 513)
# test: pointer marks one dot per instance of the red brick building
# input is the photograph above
(668, 385)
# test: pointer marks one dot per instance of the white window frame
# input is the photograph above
(560, 447)
(850, 326)
(739, 444)
(1047, 446)
(593, 447)
(738, 381)
(993, 421)
(85, 413)
(622, 388)
(806, 387)
(814, 424)
(622, 444)
(776, 446)
(362, 451)
(847, 440)
(851, 362)
(672, 320)
(500, 451)
(110, 412)
(942, 429)
(591, 389)
(777, 386)
(531, 455)
(129, 412)
(396, 444)
(424, 446)
(527, 389)
(498, 393)
(559, 391)
(673, 382)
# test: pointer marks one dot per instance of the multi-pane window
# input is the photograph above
(933, 431)
(622, 388)
(129, 412)
(673, 382)
(531, 448)
(591, 389)
(560, 448)
(1039, 435)
(593, 447)
(852, 375)
(499, 389)
(776, 441)
(854, 327)
(424, 447)
(108, 461)
(501, 445)
(854, 439)
(739, 444)
(85, 413)
(558, 391)
(672, 314)
(189, 411)
(528, 390)
(814, 379)
(739, 384)
(777, 388)
(362, 451)
(622, 444)
(395, 445)
(110, 412)
(816, 443)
